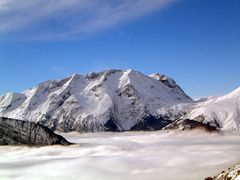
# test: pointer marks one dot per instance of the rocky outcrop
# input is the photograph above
(13, 132)
(170, 83)
(151, 123)
(188, 124)
(230, 174)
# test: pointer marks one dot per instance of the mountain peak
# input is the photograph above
(169, 82)
(162, 78)
(76, 75)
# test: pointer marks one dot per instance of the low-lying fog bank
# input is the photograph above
(121, 156)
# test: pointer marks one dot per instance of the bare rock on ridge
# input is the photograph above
(16, 132)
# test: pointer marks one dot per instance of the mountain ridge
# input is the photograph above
(112, 100)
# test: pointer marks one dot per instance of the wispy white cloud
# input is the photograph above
(60, 19)
(59, 69)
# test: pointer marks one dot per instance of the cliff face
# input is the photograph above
(13, 132)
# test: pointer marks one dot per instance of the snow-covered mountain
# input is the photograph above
(222, 112)
(117, 100)
(113, 100)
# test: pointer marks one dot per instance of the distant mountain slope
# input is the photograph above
(222, 112)
(112, 100)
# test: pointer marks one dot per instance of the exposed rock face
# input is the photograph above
(188, 124)
(151, 123)
(169, 82)
(14, 132)
(230, 174)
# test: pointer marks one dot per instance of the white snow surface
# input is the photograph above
(124, 156)
(225, 110)
(125, 95)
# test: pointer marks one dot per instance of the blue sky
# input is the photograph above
(197, 42)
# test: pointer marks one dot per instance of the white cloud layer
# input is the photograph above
(124, 156)
(65, 18)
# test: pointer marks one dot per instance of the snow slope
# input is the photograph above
(113, 100)
(222, 111)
